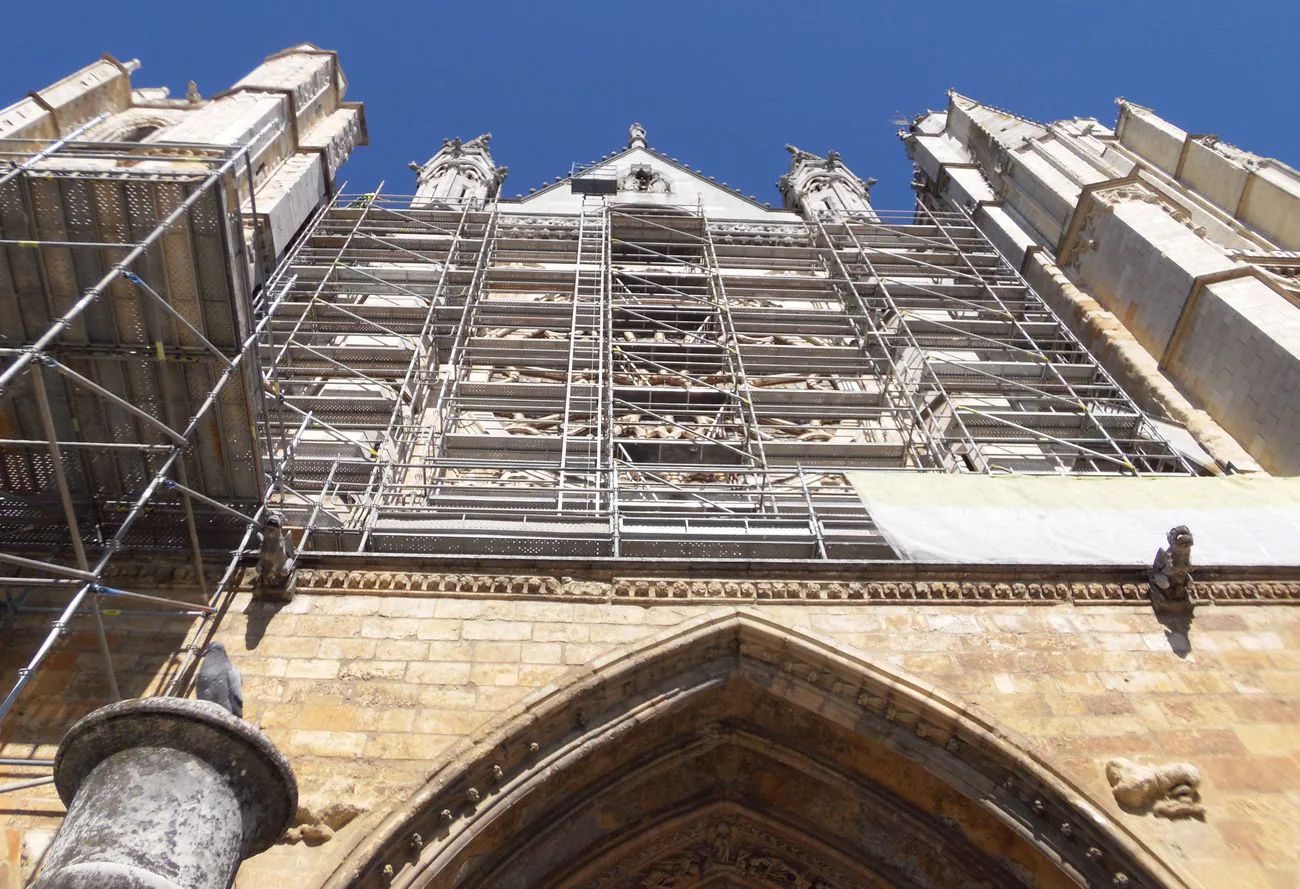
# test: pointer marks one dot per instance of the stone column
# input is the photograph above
(165, 793)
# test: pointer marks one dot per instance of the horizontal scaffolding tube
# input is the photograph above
(56, 329)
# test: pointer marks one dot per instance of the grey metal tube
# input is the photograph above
(25, 785)
(74, 529)
(65, 320)
(25, 673)
(52, 148)
(116, 400)
(77, 573)
(215, 504)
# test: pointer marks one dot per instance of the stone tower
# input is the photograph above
(459, 172)
(634, 532)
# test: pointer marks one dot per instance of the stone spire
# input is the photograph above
(636, 136)
(823, 187)
(459, 171)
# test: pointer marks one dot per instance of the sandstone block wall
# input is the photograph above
(364, 692)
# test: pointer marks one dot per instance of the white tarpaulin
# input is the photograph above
(1236, 520)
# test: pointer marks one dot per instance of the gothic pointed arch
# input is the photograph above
(734, 751)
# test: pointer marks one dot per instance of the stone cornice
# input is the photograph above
(650, 590)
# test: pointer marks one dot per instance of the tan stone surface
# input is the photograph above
(370, 691)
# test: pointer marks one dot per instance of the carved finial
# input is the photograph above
(192, 93)
(460, 171)
(636, 136)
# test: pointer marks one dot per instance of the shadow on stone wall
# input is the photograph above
(146, 648)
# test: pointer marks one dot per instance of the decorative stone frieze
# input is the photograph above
(651, 589)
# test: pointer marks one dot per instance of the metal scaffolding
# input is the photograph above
(129, 390)
(642, 382)
(621, 381)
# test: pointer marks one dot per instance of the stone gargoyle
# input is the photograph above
(1171, 572)
(275, 562)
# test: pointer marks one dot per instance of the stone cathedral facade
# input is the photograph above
(633, 532)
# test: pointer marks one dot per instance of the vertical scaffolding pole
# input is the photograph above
(425, 359)
(70, 514)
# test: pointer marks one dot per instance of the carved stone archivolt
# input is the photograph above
(646, 590)
(728, 845)
(732, 751)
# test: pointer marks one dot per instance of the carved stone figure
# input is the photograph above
(798, 155)
(275, 561)
(1167, 791)
(742, 849)
(636, 136)
(644, 179)
(1171, 571)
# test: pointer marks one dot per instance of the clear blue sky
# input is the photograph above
(720, 85)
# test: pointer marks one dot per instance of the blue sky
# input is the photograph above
(720, 85)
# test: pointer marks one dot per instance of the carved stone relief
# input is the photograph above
(1170, 790)
(643, 178)
(736, 848)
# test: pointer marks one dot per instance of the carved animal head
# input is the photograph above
(1180, 539)
(272, 528)
(1169, 790)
